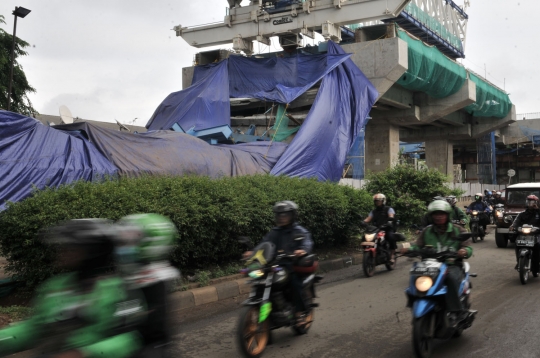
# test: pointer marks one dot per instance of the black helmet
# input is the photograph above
(94, 236)
(83, 232)
(284, 207)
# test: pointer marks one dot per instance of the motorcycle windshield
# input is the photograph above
(262, 254)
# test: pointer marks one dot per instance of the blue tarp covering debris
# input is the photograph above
(338, 114)
(32, 154)
(204, 104)
(173, 153)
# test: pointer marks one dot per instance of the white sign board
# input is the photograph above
(511, 172)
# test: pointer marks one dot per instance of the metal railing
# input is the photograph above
(534, 115)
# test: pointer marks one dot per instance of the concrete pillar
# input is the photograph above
(382, 146)
(440, 155)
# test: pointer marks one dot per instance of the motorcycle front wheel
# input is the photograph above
(368, 264)
(422, 337)
(474, 231)
(523, 269)
(252, 336)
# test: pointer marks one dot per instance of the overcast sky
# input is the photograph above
(118, 59)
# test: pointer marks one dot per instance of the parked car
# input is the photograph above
(514, 204)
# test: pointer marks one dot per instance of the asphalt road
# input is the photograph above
(367, 317)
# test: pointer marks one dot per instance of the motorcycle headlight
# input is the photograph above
(475, 212)
(526, 230)
(423, 283)
(256, 274)
(499, 214)
(369, 237)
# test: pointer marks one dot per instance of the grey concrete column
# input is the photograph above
(382, 146)
(440, 156)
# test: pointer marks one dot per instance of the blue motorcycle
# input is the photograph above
(426, 296)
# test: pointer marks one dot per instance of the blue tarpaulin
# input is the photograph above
(174, 153)
(206, 104)
(338, 114)
(277, 79)
(203, 105)
(32, 154)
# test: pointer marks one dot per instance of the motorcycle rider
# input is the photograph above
(382, 215)
(497, 199)
(531, 216)
(290, 237)
(483, 208)
(144, 242)
(77, 313)
(441, 236)
(457, 213)
(426, 219)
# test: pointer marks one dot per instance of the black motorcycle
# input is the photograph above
(477, 230)
(377, 249)
(526, 240)
(270, 303)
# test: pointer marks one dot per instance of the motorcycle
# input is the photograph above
(525, 242)
(499, 212)
(376, 249)
(477, 230)
(270, 303)
(425, 296)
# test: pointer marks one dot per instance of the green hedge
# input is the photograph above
(210, 214)
(409, 190)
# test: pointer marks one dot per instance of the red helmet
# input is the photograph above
(532, 201)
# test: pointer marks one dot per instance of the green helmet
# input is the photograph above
(439, 205)
(152, 234)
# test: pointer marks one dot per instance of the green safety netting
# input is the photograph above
(281, 126)
(433, 24)
(490, 101)
(430, 71)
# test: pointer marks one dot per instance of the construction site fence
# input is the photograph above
(470, 189)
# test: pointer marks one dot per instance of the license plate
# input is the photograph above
(527, 243)
(424, 271)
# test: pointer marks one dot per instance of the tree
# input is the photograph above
(20, 88)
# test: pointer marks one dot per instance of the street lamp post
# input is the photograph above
(18, 12)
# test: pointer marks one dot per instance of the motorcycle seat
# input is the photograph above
(306, 268)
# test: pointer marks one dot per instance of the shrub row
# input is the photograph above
(210, 214)
(409, 190)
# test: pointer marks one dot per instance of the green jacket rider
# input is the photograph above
(442, 236)
(77, 314)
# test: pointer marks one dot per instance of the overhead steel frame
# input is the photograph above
(450, 15)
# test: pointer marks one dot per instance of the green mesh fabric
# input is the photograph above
(281, 127)
(433, 24)
(430, 71)
(490, 101)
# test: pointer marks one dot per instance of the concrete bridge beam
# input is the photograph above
(484, 125)
(382, 61)
(436, 108)
(435, 133)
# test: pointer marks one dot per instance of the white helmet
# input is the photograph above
(380, 197)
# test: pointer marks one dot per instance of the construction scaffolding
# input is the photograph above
(487, 164)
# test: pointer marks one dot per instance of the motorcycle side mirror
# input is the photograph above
(464, 236)
(246, 241)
